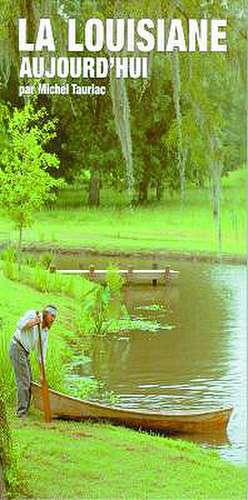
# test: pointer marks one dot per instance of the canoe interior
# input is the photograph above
(67, 407)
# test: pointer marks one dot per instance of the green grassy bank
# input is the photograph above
(165, 225)
(99, 461)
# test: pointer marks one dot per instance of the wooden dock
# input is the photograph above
(152, 277)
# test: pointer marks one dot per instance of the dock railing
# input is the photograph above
(153, 276)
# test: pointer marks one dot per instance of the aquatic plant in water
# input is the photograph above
(101, 310)
(151, 307)
(89, 388)
(144, 325)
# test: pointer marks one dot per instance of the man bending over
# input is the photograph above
(26, 339)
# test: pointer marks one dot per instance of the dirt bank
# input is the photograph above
(182, 256)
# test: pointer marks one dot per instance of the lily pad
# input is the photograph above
(143, 325)
(151, 307)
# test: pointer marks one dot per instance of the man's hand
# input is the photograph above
(37, 320)
(33, 322)
(41, 374)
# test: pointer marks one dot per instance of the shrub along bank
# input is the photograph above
(12, 476)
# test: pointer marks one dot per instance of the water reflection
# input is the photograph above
(200, 364)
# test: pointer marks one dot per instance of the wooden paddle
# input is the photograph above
(44, 386)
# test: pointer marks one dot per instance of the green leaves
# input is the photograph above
(25, 184)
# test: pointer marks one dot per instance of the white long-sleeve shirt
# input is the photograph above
(29, 337)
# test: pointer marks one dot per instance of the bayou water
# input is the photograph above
(198, 363)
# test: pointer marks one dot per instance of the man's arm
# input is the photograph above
(38, 354)
(29, 320)
(32, 322)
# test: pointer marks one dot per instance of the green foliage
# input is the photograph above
(10, 270)
(90, 319)
(10, 452)
(164, 225)
(142, 113)
(29, 260)
(115, 282)
(25, 184)
(98, 308)
(46, 260)
(59, 360)
(9, 254)
(71, 287)
(46, 282)
(6, 372)
(142, 325)
(89, 388)
(99, 313)
(40, 279)
(152, 307)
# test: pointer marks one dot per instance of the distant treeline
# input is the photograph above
(184, 123)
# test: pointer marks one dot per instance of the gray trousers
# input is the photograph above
(23, 375)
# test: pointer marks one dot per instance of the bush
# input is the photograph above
(102, 310)
(70, 287)
(6, 373)
(10, 270)
(9, 254)
(39, 279)
(29, 260)
(98, 308)
(46, 260)
(10, 454)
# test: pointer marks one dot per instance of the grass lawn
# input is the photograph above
(158, 226)
(99, 461)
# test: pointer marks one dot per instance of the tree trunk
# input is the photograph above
(181, 154)
(143, 191)
(94, 190)
(121, 112)
(216, 201)
(159, 190)
(122, 116)
(19, 248)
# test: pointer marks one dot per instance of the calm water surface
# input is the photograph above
(200, 364)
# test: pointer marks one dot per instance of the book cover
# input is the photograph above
(122, 230)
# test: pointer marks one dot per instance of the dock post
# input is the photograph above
(154, 281)
(167, 273)
(81, 267)
(92, 273)
(129, 275)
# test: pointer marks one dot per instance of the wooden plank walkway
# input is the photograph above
(131, 276)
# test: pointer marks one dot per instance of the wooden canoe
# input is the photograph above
(67, 407)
